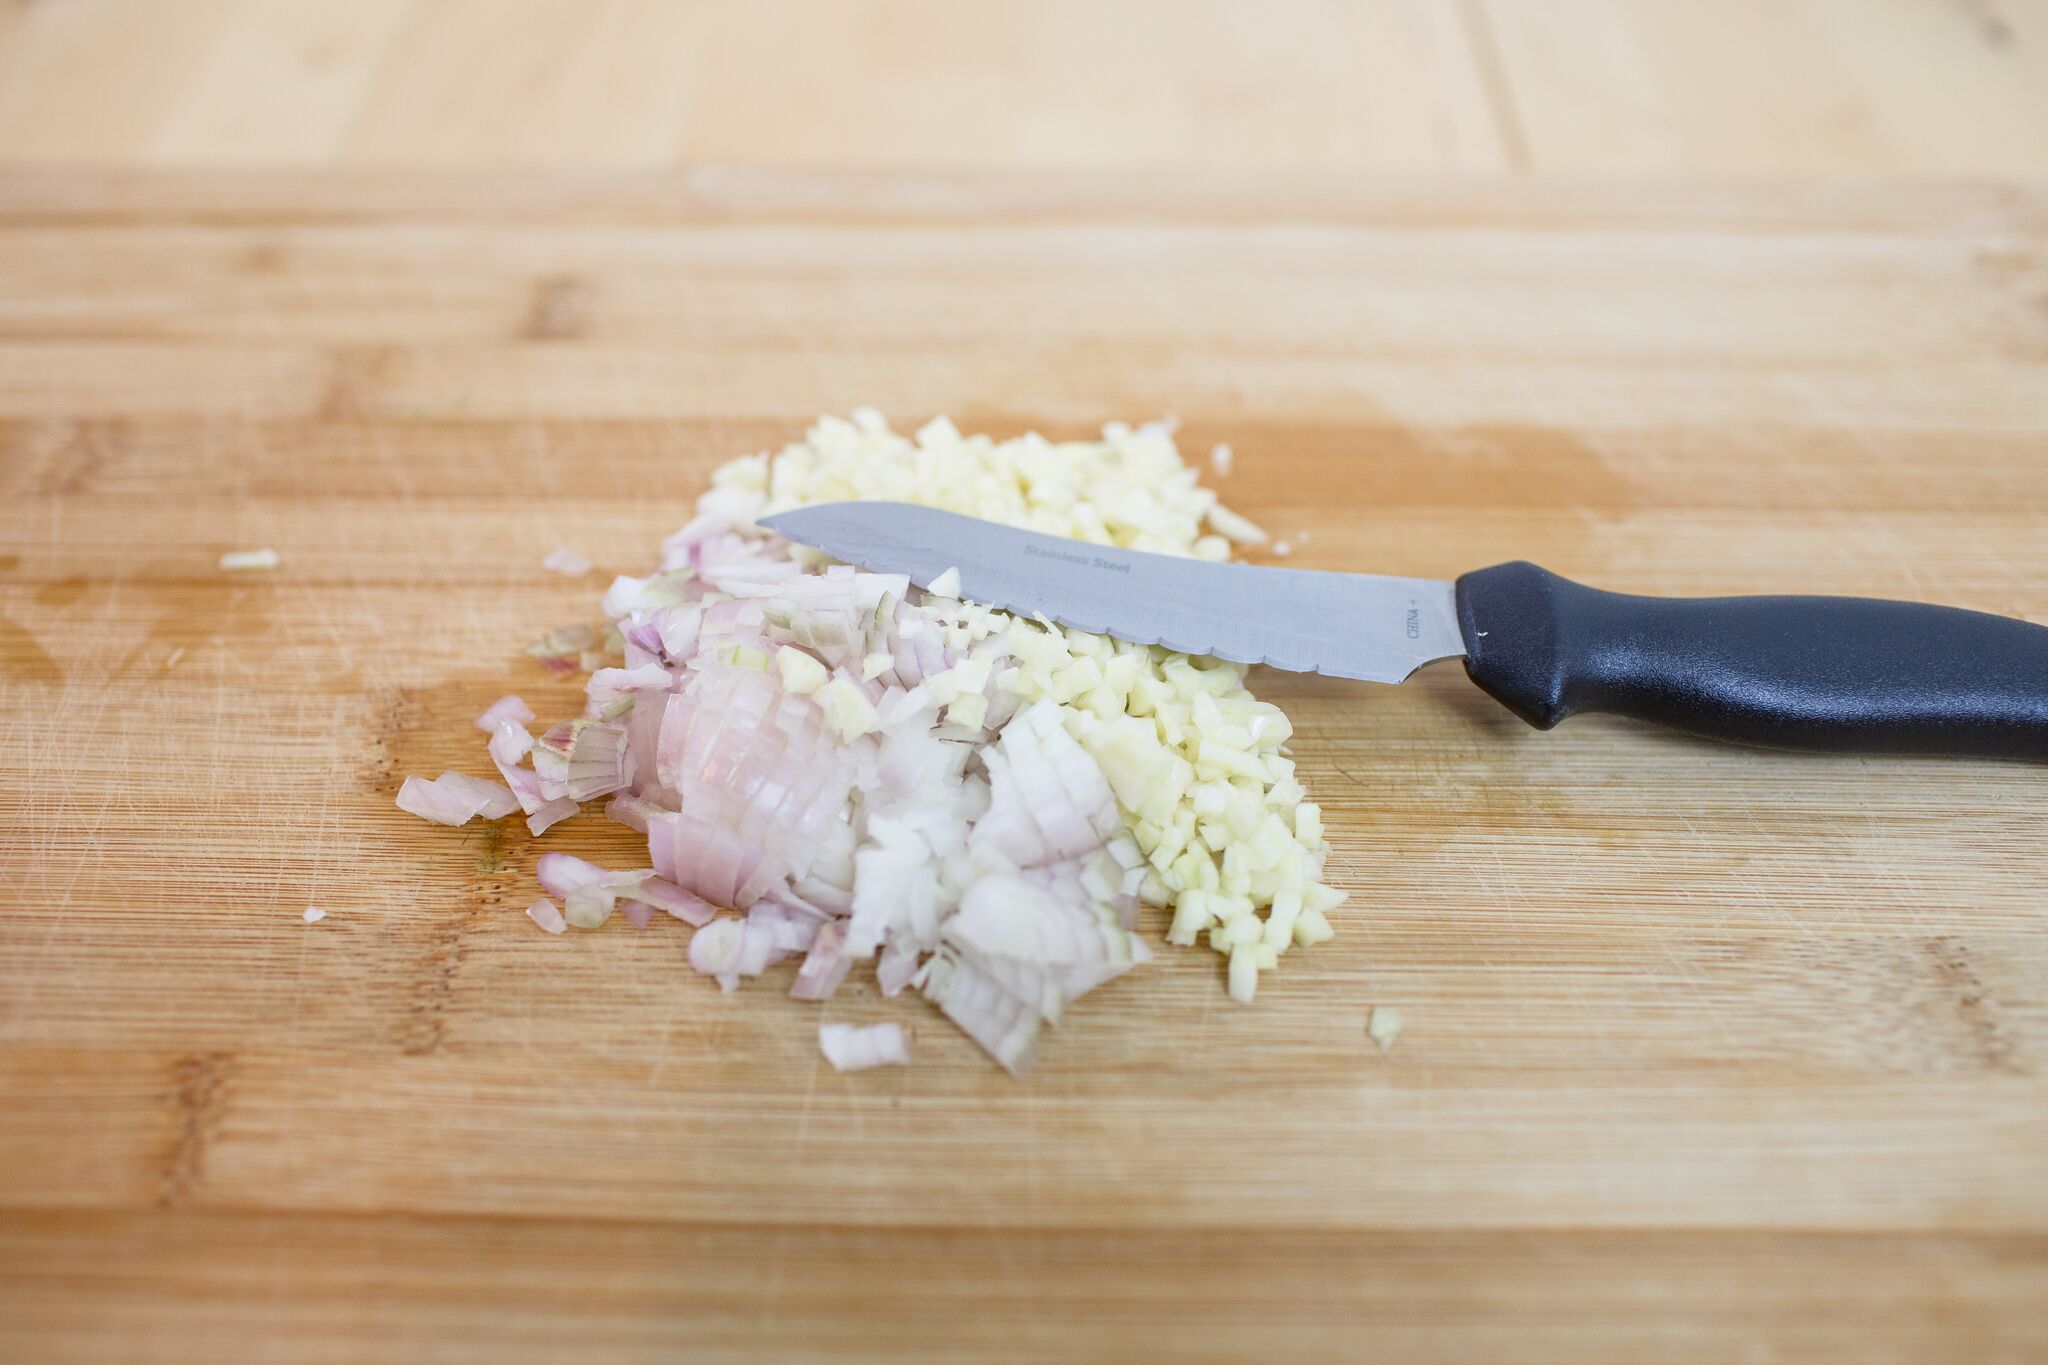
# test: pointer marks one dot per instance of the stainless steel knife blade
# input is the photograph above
(1345, 625)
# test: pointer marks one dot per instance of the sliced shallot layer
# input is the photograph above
(456, 799)
(1048, 799)
(504, 709)
(856, 1049)
(1005, 1027)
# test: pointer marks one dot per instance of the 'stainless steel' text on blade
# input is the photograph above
(1346, 625)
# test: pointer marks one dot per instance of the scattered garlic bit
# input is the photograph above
(314, 914)
(1220, 459)
(1237, 528)
(847, 709)
(1384, 1026)
(563, 560)
(1281, 547)
(801, 672)
(1197, 763)
(235, 560)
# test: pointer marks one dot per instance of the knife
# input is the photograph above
(1817, 673)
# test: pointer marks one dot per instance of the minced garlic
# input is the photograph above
(1199, 765)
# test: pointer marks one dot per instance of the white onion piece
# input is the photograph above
(561, 873)
(759, 780)
(544, 913)
(627, 596)
(1005, 1026)
(715, 950)
(898, 964)
(550, 814)
(666, 896)
(825, 966)
(505, 709)
(510, 743)
(1048, 798)
(582, 760)
(524, 784)
(785, 930)
(587, 907)
(856, 1049)
(630, 811)
(728, 949)
(1008, 917)
(676, 629)
(562, 649)
(647, 677)
(456, 799)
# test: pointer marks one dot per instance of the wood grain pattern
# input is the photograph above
(1709, 1053)
(1817, 87)
(1763, 87)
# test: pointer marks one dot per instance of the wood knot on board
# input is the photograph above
(1975, 1006)
(66, 455)
(560, 310)
(1991, 26)
(199, 1096)
(356, 373)
(421, 1027)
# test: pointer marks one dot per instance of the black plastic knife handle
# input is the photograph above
(1845, 674)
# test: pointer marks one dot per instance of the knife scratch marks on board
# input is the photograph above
(23, 655)
(62, 736)
(1684, 973)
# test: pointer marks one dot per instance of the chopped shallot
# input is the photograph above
(564, 560)
(506, 710)
(832, 767)
(456, 799)
(856, 1049)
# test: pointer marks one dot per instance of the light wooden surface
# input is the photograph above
(1709, 1055)
(1756, 87)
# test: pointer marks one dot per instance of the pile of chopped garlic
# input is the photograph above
(1199, 765)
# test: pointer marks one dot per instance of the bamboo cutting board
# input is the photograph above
(1709, 1054)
